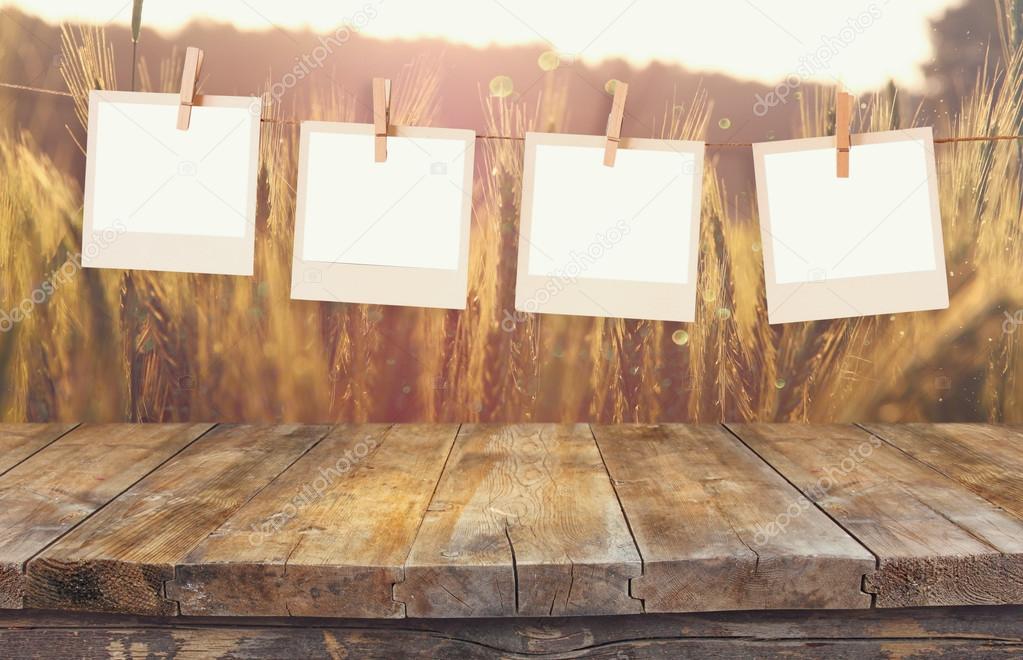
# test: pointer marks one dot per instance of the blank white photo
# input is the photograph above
(841, 247)
(616, 241)
(403, 212)
(394, 232)
(170, 199)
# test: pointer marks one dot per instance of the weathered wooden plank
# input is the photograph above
(55, 489)
(986, 459)
(327, 538)
(936, 542)
(718, 529)
(345, 642)
(977, 632)
(524, 522)
(19, 441)
(119, 560)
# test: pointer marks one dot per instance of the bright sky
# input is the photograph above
(859, 43)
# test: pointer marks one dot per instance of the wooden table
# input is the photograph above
(483, 538)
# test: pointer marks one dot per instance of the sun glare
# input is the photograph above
(859, 43)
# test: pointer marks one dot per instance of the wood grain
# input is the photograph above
(718, 529)
(119, 560)
(19, 441)
(986, 459)
(524, 522)
(377, 521)
(329, 537)
(936, 542)
(56, 488)
(976, 632)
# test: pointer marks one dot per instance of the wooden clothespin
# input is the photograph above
(614, 123)
(381, 116)
(843, 120)
(189, 81)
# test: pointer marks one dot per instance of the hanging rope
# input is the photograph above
(710, 145)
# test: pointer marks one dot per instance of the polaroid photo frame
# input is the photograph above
(390, 233)
(838, 248)
(163, 199)
(620, 242)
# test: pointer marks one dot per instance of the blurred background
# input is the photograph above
(107, 345)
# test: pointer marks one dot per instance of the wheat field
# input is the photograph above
(140, 346)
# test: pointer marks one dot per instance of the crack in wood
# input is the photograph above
(631, 585)
(514, 565)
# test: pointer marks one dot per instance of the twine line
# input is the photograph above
(516, 138)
